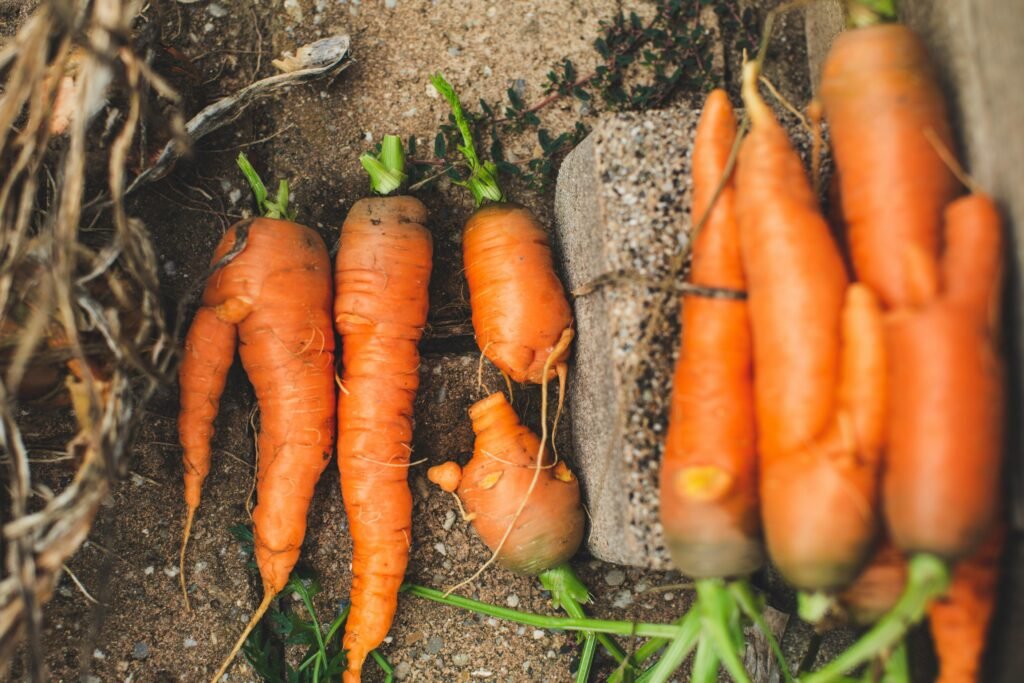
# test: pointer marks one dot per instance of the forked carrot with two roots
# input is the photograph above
(271, 295)
(380, 308)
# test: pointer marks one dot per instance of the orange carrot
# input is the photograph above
(275, 295)
(880, 96)
(520, 313)
(946, 392)
(494, 485)
(380, 309)
(709, 502)
(959, 622)
(523, 504)
(819, 366)
(877, 588)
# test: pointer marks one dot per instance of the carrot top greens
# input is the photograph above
(387, 169)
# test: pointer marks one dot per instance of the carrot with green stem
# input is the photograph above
(380, 309)
(272, 295)
(708, 492)
(819, 366)
(523, 504)
(521, 316)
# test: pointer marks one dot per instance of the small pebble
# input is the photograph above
(461, 659)
(234, 196)
(390, 4)
(669, 597)
(122, 666)
(491, 621)
(454, 51)
(615, 577)
(99, 654)
(217, 11)
(622, 599)
(537, 634)
(512, 601)
(434, 645)
(439, 547)
(170, 571)
(482, 673)
(449, 520)
(403, 670)
(140, 651)
(190, 642)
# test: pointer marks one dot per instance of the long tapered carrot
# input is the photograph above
(520, 312)
(276, 294)
(819, 366)
(881, 97)
(959, 622)
(709, 501)
(381, 277)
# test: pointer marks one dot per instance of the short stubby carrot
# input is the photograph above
(708, 491)
(528, 512)
(520, 312)
(521, 317)
(881, 98)
(819, 366)
(941, 481)
(959, 622)
(381, 276)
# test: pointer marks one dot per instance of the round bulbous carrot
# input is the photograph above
(519, 307)
(880, 97)
(819, 366)
(381, 277)
(941, 480)
(275, 295)
(708, 489)
(959, 622)
(521, 316)
(496, 481)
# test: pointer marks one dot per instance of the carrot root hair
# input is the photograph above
(181, 562)
(268, 597)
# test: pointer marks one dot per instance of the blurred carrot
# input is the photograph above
(881, 96)
(959, 621)
(709, 501)
(819, 366)
(274, 297)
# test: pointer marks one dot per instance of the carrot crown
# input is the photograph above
(483, 177)
(387, 169)
(271, 208)
(862, 13)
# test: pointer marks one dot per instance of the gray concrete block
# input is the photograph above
(621, 206)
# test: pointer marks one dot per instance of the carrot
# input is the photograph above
(708, 489)
(521, 316)
(946, 392)
(819, 366)
(380, 309)
(709, 502)
(523, 504)
(881, 96)
(878, 587)
(959, 621)
(274, 295)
